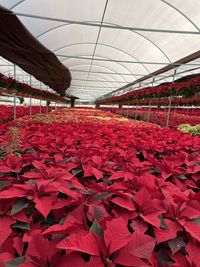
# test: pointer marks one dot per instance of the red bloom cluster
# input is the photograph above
(176, 101)
(187, 88)
(10, 85)
(159, 117)
(7, 112)
(99, 192)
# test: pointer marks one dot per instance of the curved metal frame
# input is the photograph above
(104, 58)
(97, 81)
(99, 66)
(15, 5)
(79, 78)
(101, 44)
(180, 12)
(136, 32)
(140, 34)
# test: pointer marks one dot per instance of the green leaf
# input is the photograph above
(85, 192)
(101, 196)
(163, 258)
(4, 184)
(176, 244)
(196, 220)
(20, 205)
(162, 222)
(96, 228)
(21, 225)
(76, 172)
(110, 182)
(181, 176)
(15, 262)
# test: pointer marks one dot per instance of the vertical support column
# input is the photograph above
(127, 112)
(14, 95)
(169, 109)
(170, 102)
(136, 110)
(30, 99)
(148, 117)
(30, 106)
(40, 106)
(15, 113)
(72, 102)
(175, 107)
(14, 71)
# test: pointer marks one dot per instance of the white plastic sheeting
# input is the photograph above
(135, 38)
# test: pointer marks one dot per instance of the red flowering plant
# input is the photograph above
(176, 101)
(7, 112)
(159, 116)
(94, 192)
(11, 86)
(188, 88)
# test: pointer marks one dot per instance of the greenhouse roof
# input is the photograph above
(107, 44)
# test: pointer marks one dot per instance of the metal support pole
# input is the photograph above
(30, 98)
(30, 106)
(170, 102)
(14, 71)
(128, 110)
(175, 111)
(169, 109)
(15, 116)
(136, 111)
(40, 106)
(148, 117)
(14, 96)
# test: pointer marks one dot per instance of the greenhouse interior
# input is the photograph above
(100, 133)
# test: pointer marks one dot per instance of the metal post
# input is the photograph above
(175, 111)
(30, 99)
(136, 111)
(169, 109)
(40, 106)
(14, 96)
(148, 117)
(30, 106)
(14, 71)
(170, 102)
(15, 116)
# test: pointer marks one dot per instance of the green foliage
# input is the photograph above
(193, 130)
(14, 142)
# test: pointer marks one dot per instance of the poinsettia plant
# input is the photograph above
(188, 89)
(108, 192)
(159, 116)
(10, 86)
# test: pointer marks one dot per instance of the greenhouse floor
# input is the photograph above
(91, 188)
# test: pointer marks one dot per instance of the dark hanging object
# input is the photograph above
(21, 100)
(19, 46)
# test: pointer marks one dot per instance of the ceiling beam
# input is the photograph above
(104, 25)
(125, 61)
